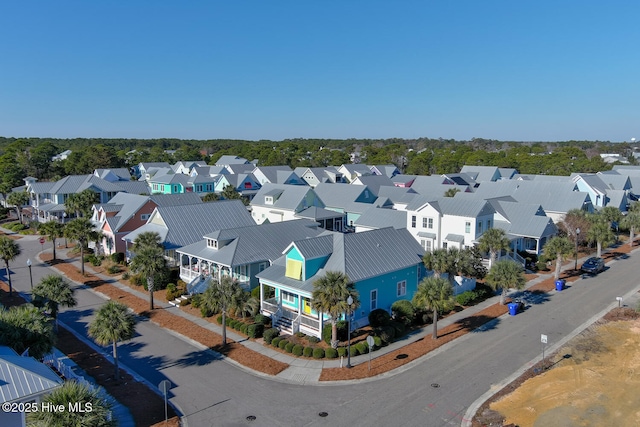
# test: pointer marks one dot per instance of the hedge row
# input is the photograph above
(317, 352)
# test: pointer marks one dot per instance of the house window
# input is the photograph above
(467, 227)
(247, 185)
(145, 217)
(209, 187)
(427, 223)
(413, 221)
(479, 231)
(401, 288)
(374, 299)
(488, 224)
(212, 243)
(175, 188)
(444, 245)
(288, 297)
(268, 200)
(262, 266)
(426, 244)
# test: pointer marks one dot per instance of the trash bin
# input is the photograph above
(513, 308)
(559, 285)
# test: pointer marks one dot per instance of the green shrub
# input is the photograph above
(275, 341)
(423, 317)
(219, 319)
(466, 298)
(207, 313)
(113, 269)
(117, 257)
(297, 350)
(313, 339)
(330, 353)
(234, 324)
(261, 319)
(404, 311)
(300, 334)
(255, 330)
(282, 344)
(196, 300)
(399, 328)
(377, 342)
(138, 280)
(289, 347)
(172, 292)
(363, 347)
(379, 317)
(318, 353)
(270, 334)
(342, 351)
(185, 302)
(353, 351)
(245, 328)
(342, 326)
(96, 261)
(126, 275)
(483, 291)
(307, 352)
(387, 333)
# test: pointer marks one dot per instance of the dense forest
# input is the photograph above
(21, 157)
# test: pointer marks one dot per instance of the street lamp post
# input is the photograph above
(30, 275)
(577, 235)
(349, 302)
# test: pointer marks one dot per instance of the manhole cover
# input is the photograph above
(251, 418)
(435, 385)
(323, 414)
(402, 356)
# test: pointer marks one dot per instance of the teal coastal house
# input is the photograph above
(385, 266)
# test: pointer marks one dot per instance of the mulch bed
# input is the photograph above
(146, 407)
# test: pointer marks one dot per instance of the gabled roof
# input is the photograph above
(381, 218)
(523, 219)
(184, 225)
(435, 185)
(360, 255)
(274, 174)
(209, 170)
(374, 182)
(122, 173)
(315, 213)
(169, 178)
(286, 197)
(344, 196)
(188, 164)
(24, 377)
(252, 244)
(231, 160)
(41, 187)
(615, 180)
(180, 199)
(386, 170)
(481, 173)
(241, 168)
(395, 194)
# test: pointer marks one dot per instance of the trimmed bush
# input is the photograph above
(289, 347)
(318, 353)
(126, 275)
(282, 344)
(399, 327)
(270, 334)
(245, 328)
(387, 334)
(172, 292)
(342, 351)
(185, 302)
(342, 331)
(275, 341)
(377, 342)
(261, 319)
(404, 311)
(138, 280)
(330, 353)
(219, 319)
(207, 313)
(313, 340)
(379, 317)
(466, 297)
(256, 330)
(307, 352)
(300, 334)
(118, 257)
(353, 350)
(363, 347)
(297, 350)
(113, 269)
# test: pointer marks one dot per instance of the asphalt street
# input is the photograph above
(437, 390)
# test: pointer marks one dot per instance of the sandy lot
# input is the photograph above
(592, 381)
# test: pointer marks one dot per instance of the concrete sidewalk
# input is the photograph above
(303, 370)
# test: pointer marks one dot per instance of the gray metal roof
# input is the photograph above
(523, 219)
(24, 377)
(345, 196)
(454, 238)
(374, 182)
(122, 173)
(180, 199)
(427, 235)
(381, 218)
(248, 245)
(184, 225)
(321, 246)
(317, 213)
(230, 160)
(359, 255)
(481, 173)
(290, 198)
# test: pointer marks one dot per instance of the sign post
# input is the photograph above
(543, 340)
(165, 386)
(371, 343)
(619, 299)
(41, 240)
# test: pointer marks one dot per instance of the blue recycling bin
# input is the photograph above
(559, 285)
(513, 308)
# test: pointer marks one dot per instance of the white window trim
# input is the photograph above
(373, 306)
(401, 288)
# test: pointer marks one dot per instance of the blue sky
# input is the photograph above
(508, 70)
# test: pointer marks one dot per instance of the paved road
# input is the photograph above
(435, 391)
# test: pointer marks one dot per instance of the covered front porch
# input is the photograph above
(291, 312)
(193, 268)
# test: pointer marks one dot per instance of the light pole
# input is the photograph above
(30, 275)
(577, 235)
(349, 302)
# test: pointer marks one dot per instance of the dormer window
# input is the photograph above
(211, 243)
(268, 200)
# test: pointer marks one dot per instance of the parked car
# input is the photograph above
(593, 265)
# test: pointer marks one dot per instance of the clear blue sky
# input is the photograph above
(508, 70)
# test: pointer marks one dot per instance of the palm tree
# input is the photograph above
(330, 294)
(600, 233)
(80, 230)
(18, 199)
(494, 240)
(611, 215)
(53, 230)
(632, 222)
(211, 197)
(96, 413)
(560, 247)
(9, 250)
(451, 192)
(147, 238)
(113, 323)
(149, 261)
(81, 203)
(435, 294)
(26, 328)
(52, 292)
(438, 261)
(220, 297)
(506, 274)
